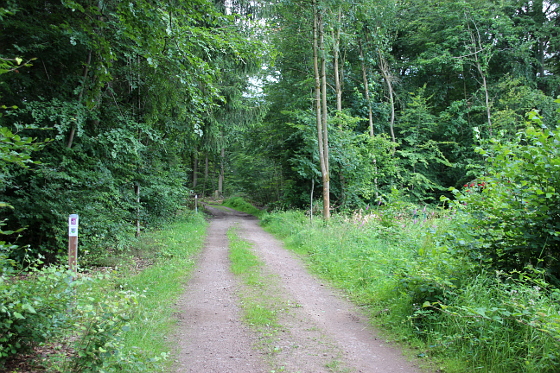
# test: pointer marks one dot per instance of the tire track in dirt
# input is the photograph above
(320, 331)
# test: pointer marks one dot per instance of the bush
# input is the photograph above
(32, 308)
(50, 306)
(514, 210)
(99, 321)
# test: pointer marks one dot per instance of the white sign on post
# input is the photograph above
(73, 220)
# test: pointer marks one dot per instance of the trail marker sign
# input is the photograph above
(73, 221)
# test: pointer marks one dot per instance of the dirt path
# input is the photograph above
(320, 331)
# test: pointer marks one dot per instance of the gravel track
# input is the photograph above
(320, 331)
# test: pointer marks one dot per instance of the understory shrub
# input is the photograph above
(32, 308)
(513, 210)
(96, 330)
(51, 307)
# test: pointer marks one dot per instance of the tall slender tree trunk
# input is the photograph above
(318, 111)
(222, 171)
(370, 113)
(311, 199)
(476, 41)
(80, 97)
(324, 120)
(206, 172)
(319, 58)
(366, 91)
(336, 62)
(195, 169)
(387, 76)
(137, 191)
(338, 83)
(540, 18)
(486, 100)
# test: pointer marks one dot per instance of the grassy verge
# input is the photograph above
(162, 283)
(137, 301)
(407, 270)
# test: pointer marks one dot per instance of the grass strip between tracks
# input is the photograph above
(259, 309)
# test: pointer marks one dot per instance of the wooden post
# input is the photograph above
(73, 220)
(196, 203)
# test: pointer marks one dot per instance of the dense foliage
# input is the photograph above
(512, 209)
(137, 105)
(96, 322)
(120, 94)
(423, 74)
(42, 307)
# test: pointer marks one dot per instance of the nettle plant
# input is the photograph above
(514, 208)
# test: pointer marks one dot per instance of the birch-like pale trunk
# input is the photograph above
(366, 92)
(321, 104)
(137, 191)
(336, 62)
(387, 76)
(477, 47)
(80, 97)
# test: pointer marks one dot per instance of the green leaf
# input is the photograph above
(18, 315)
(28, 307)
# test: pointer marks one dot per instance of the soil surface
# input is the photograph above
(320, 331)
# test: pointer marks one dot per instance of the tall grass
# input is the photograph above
(407, 268)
